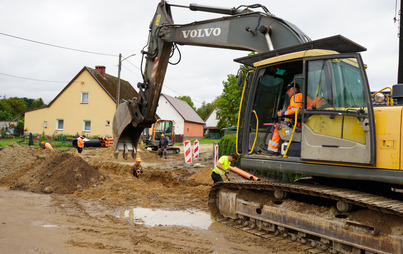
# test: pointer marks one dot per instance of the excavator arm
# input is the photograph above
(241, 29)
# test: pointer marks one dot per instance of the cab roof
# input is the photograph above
(336, 43)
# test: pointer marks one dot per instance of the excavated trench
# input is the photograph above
(100, 197)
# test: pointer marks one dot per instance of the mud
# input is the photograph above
(68, 219)
(62, 202)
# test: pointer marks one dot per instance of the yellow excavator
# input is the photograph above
(152, 136)
(350, 149)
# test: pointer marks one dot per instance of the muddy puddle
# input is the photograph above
(159, 217)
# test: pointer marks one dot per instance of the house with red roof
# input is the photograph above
(187, 123)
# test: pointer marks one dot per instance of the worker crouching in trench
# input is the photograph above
(137, 169)
(46, 146)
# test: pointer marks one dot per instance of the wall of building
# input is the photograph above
(212, 120)
(99, 109)
(166, 111)
(193, 130)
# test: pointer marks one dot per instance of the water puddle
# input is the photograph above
(50, 226)
(156, 217)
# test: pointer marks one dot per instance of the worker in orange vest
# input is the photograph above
(295, 103)
(46, 146)
(80, 143)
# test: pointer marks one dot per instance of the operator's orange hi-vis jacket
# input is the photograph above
(80, 142)
(295, 103)
(48, 146)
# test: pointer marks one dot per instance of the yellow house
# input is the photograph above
(85, 106)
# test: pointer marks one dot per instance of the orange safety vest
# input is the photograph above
(48, 146)
(80, 142)
(293, 106)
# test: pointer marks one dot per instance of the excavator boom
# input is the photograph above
(242, 29)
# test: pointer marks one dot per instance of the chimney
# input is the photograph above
(101, 70)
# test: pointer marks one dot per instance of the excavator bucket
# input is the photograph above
(125, 134)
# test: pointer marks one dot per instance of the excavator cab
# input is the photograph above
(335, 123)
(152, 136)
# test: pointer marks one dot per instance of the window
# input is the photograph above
(86, 125)
(338, 83)
(59, 124)
(84, 97)
(45, 124)
(336, 86)
(108, 123)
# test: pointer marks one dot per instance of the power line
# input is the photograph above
(133, 65)
(181, 94)
(41, 80)
(57, 46)
(131, 71)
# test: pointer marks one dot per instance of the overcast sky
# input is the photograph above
(113, 27)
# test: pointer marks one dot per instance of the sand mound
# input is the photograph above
(61, 173)
(203, 176)
(15, 157)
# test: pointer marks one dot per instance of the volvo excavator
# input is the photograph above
(349, 149)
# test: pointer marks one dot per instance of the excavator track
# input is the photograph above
(263, 217)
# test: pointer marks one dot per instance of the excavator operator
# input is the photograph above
(295, 103)
(295, 100)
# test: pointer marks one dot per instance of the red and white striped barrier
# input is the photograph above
(196, 149)
(156, 61)
(188, 152)
(215, 154)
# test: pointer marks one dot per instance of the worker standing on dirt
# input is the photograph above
(137, 169)
(31, 139)
(222, 167)
(80, 143)
(163, 145)
(46, 146)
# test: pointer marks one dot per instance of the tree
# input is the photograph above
(222, 123)
(28, 102)
(37, 103)
(187, 99)
(228, 101)
(205, 109)
(17, 105)
(5, 116)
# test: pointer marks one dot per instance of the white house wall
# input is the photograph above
(212, 120)
(166, 111)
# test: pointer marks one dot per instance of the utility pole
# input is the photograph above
(118, 90)
(119, 69)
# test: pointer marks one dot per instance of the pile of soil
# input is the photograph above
(15, 157)
(203, 176)
(107, 154)
(62, 173)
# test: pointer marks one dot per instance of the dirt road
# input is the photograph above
(92, 208)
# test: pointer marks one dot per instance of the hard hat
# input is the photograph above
(42, 143)
(162, 135)
(138, 159)
(292, 85)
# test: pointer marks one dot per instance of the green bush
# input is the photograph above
(228, 146)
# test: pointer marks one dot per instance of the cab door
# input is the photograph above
(338, 122)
